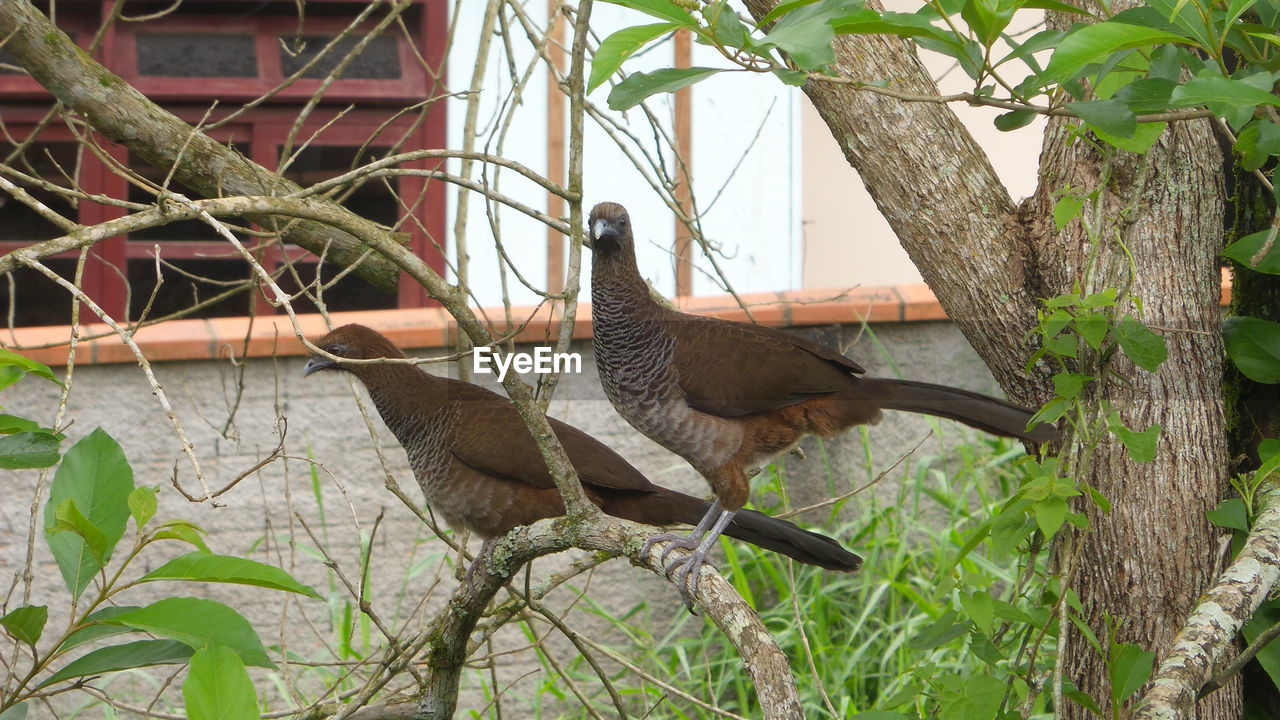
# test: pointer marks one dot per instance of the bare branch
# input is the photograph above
(1211, 628)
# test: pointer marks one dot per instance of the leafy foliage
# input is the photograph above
(91, 500)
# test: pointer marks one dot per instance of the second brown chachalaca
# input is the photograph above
(729, 396)
(480, 469)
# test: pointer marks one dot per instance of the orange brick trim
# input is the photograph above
(433, 328)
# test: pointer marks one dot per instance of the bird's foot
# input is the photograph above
(689, 543)
(688, 570)
(682, 565)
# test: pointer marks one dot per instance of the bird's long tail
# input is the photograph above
(984, 412)
(668, 507)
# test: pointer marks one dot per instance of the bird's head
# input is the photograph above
(355, 342)
(609, 228)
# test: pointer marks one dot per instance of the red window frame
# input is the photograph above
(259, 131)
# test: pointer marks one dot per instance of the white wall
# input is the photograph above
(781, 206)
(745, 152)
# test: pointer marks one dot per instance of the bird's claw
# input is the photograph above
(677, 541)
(687, 569)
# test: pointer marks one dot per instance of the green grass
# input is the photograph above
(861, 630)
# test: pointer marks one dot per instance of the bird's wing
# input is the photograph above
(732, 369)
(489, 435)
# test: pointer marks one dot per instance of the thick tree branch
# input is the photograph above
(120, 112)
(1209, 632)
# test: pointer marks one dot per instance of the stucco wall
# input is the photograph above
(260, 516)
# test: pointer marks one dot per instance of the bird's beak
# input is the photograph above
(317, 363)
(601, 232)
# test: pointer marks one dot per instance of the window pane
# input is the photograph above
(192, 55)
(380, 59)
(374, 200)
(37, 300)
(187, 283)
(47, 161)
(348, 293)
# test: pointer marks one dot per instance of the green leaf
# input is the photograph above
(26, 623)
(940, 632)
(142, 505)
(616, 48)
(1050, 514)
(725, 26)
(94, 629)
(17, 712)
(181, 530)
(95, 474)
(638, 86)
(1014, 119)
(981, 695)
(880, 715)
(198, 622)
(68, 518)
(1097, 497)
(1130, 667)
(1230, 513)
(30, 449)
(1253, 344)
(794, 78)
(1269, 454)
(1066, 209)
(1141, 446)
(1146, 349)
(1269, 656)
(218, 688)
(1246, 250)
(979, 606)
(1069, 384)
(1146, 94)
(661, 9)
(206, 567)
(143, 653)
(805, 33)
(1110, 116)
(1093, 327)
(1144, 136)
(13, 424)
(987, 18)
(26, 365)
(782, 9)
(1071, 692)
(1094, 43)
(10, 375)
(1215, 91)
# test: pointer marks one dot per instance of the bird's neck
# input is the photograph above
(402, 394)
(617, 287)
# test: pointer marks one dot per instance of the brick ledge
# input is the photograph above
(219, 338)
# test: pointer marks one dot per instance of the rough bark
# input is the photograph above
(1145, 563)
(988, 262)
(117, 110)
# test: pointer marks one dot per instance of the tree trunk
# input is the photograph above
(1143, 565)
(989, 263)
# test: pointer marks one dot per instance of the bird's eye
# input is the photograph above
(623, 221)
(336, 349)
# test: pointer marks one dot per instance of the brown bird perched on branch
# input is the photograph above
(729, 396)
(479, 467)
